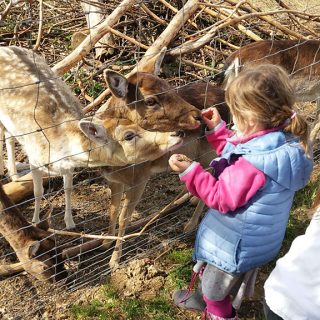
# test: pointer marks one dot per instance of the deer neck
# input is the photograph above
(94, 155)
(116, 108)
(86, 153)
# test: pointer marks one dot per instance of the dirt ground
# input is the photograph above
(142, 273)
(34, 300)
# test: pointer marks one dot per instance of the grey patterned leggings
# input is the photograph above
(217, 284)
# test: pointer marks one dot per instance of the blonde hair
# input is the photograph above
(264, 94)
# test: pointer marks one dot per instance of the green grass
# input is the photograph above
(158, 308)
(304, 198)
(92, 87)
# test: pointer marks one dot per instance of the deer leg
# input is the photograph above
(194, 220)
(1, 149)
(116, 195)
(38, 192)
(132, 198)
(12, 168)
(316, 127)
(67, 184)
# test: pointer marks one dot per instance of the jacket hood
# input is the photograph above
(280, 156)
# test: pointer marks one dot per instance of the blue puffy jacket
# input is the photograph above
(252, 235)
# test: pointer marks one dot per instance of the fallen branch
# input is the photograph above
(82, 50)
(83, 235)
(269, 20)
(10, 269)
(241, 27)
(36, 46)
(8, 7)
(191, 46)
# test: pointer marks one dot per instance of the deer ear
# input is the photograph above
(33, 249)
(117, 83)
(153, 65)
(94, 131)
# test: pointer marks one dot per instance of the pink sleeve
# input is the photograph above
(217, 138)
(236, 185)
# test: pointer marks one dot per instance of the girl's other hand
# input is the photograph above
(179, 162)
(211, 117)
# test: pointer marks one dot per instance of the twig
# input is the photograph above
(152, 15)
(228, 44)
(132, 40)
(241, 27)
(181, 198)
(6, 10)
(83, 235)
(302, 16)
(198, 65)
(191, 46)
(173, 9)
(279, 26)
(10, 269)
(36, 46)
(62, 23)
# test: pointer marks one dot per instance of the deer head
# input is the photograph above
(131, 142)
(149, 101)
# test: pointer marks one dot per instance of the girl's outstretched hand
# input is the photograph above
(211, 117)
(179, 162)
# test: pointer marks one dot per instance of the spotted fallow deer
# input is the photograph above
(40, 111)
(300, 58)
(35, 248)
(131, 180)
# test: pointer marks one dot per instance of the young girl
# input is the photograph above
(250, 191)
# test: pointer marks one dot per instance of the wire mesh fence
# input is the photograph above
(43, 127)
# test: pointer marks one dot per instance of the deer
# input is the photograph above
(41, 112)
(35, 248)
(131, 180)
(300, 58)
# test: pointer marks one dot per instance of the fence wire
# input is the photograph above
(87, 266)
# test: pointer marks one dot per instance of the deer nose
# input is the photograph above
(198, 118)
(179, 133)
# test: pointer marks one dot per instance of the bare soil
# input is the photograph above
(142, 273)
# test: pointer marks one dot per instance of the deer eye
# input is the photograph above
(150, 101)
(129, 135)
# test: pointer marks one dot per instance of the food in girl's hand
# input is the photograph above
(182, 157)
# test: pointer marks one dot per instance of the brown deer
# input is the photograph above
(149, 102)
(35, 248)
(300, 58)
(40, 111)
(132, 180)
